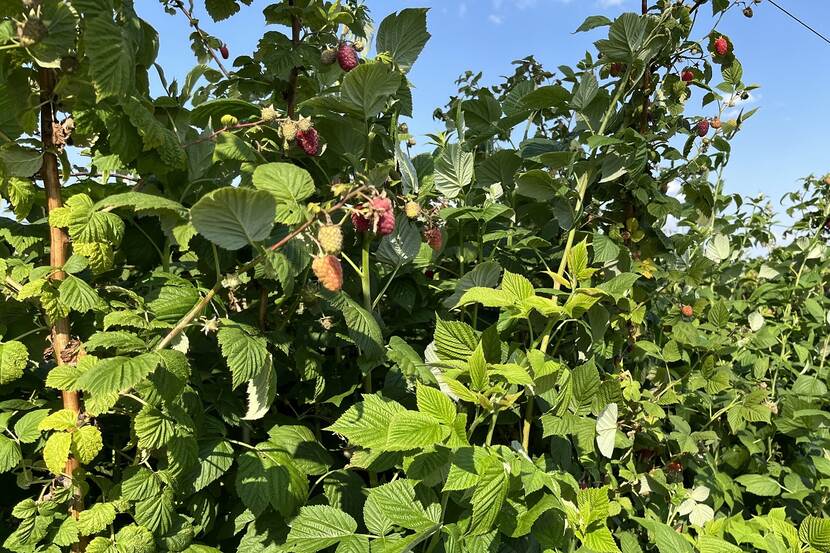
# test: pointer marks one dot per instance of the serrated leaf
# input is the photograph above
(412, 430)
(403, 35)
(607, 430)
(488, 496)
(369, 86)
(56, 452)
(13, 359)
(153, 428)
(367, 423)
(111, 56)
(233, 218)
(454, 170)
(318, 527)
(436, 403)
(96, 518)
(363, 328)
(245, 353)
(289, 185)
(86, 444)
(10, 454)
(117, 374)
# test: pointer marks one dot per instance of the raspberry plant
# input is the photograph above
(242, 316)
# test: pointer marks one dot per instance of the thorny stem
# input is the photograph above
(58, 249)
(194, 312)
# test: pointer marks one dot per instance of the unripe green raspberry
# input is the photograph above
(269, 114)
(229, 121)
(304, 124)
(289, 129)
(412, 209)
(330, 238)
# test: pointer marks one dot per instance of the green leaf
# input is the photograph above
(233, 218)
(118, 374)
(369, 87)
(396, 503)
(367, 423)
(403, 35)
(215, 459)
(484, 275)
(629, 39)
(436, 403)
(56, 452)
(230, 147)
(245, 352)
(86, 444)
(17, 161)
(454, 170)
(13, 359)
(111, 56)
(363, 328)
(758, 484)
(290, 186)
(27, 427)
(402, 245)
(61, 22)
(96, 518)
(665, 537)
(412, 430)
(220, 10)
(488, 496)
(262, 389)
(318, 527)
(140, 483)
(61, 420)
(10, 454)
(156, 513)
(79, 296)
(153, 428)
(592, 22)
(816, 532)
(454, 340)
(143, 203)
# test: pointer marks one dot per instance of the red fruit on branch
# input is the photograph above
(702, 127)
(721, 46)
(309, 141)
(687, 76)
(329, 272)
(616, 69)
(386, 223)
(716, 124)
(224, 51)
(687, 311)
(360, 223)
(347, 57)
(434, 238)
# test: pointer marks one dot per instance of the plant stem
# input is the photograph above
(493, 418)
(58, 250)
(366, 286)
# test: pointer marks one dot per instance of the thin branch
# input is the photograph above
(195, 24)
(185, 321)
(217, 132)
(291, 93)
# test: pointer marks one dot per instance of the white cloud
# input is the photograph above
(495, 19)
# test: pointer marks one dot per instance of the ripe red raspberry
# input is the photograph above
(616, 69)
(224, 51)
(379, 203)
(721, 46)
(687, 76)
(412, 209)
(329, 272)
(716, 124)
(347, 57)
(386, 223)
(330, 238)
(309, 141)
(434, 238)
(674, 466)
(702, 127)
(360, 223)
(687, 311)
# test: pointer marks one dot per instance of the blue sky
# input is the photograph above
(786, 140)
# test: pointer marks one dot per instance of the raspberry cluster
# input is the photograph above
(376, 215)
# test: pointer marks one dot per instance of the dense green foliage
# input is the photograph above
(547, 350)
